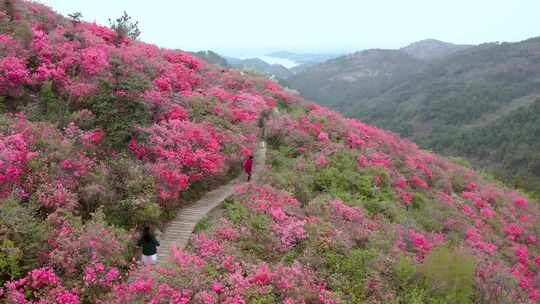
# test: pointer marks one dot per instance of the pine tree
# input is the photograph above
(125, 28)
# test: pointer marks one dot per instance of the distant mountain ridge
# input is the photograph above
(432, 49)
(261, 66)
(442, 96)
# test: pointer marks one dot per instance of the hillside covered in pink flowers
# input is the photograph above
(101, 134)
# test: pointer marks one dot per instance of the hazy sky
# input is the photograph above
(252, 27)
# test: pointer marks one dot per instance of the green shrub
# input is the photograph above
(200, 108)
(449, 275)
(458, 182)
(134, 212)
(275, 140)
(10, 259)
(254, 247)
(132, 201)
(259, 223)
(433, 216)
(419, 201)
(212, 271)
(202, 225)
(381, 240)
(258, 298)
(445, 276)
(302, 192)
(460, 161)
(24, 236)
(342, 178)
(389, 209)
(290, 256)
(235, 212)
(416, 295)
(49, 104)
(404, 271)
(117, 115)
(345, 272)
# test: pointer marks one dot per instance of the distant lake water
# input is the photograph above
(275, 60)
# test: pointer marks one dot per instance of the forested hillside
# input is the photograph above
(102, 134)
(508, 146)
(431, 102)
(359, 77)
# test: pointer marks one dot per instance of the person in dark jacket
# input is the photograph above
(248, 166)
(149, 245)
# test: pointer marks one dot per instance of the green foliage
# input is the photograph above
(256, 241)
(275, 140)
(259, 223)
(419, 201)
(432, 218)
(404, 272)
(235, 212)
(83, 119)
(254, 247)
(202, 225)
(445, 276)
(50, 107)
(460, 161)
(353, 264)
(290, 256)
(23, 237)
(389, 209)
(381, 240)
(449, 274)
(201, 108)
(134, 212)
(512, 143)
(10, 259)
(212, 271)
(132, 201)
(346, 271)
(2, 104)
(258, 298)
(342, 178)
(410, 287)
(118, 115)
(458, 182)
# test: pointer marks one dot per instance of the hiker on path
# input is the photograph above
(149, 245)
(248, 166)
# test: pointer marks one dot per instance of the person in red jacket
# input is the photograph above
(248, 166)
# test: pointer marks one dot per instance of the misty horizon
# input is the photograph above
(247, 28)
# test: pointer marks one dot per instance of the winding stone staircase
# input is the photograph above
(179, 230)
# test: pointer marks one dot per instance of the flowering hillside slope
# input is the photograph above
(101, 134)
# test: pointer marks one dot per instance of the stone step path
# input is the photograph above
(178, 232)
